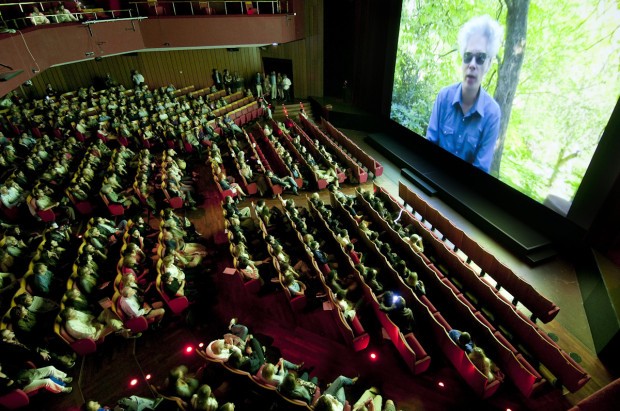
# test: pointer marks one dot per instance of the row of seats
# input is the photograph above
(476, 294)
(342, 140)
(319, 183)
(313, 149)
(433, 320)
(411, 350)
(357, 171)
(245, 381)
(276, 162)
(81, 346)
(275, 188)
(441, 227)
(444, 293)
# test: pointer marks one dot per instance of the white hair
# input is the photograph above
(484, 26)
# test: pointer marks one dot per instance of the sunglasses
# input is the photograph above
(480, 58)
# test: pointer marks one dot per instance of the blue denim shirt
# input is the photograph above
(470, 136)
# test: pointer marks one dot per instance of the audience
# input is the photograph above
(153, 119)
(37, 18)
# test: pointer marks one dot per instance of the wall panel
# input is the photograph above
(179, 67)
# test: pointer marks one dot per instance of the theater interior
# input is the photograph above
(537, 289)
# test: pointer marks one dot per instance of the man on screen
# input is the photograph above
(465, 118)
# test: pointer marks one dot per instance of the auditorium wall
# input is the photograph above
(179, 67)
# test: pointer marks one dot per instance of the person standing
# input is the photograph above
(465, 118)
(258, 81)
(217, 79)
(137, 78)
(273, 86)
(286, 86)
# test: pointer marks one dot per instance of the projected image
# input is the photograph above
(520, 89)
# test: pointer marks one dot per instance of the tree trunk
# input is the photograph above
(510, 67)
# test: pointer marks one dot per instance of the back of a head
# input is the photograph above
(268, 371)
(234, 360)
(288, 383)
(464, 338)
(204, 391)
(322, 404)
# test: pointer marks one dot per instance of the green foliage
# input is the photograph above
(568, 85)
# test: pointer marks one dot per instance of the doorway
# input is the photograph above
(283, 66)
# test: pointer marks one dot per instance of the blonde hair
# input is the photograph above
(268, 371)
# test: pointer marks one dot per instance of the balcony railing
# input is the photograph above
(217, 7)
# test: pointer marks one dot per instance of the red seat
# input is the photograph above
(177, 305)
(136, 324)
(14, 400)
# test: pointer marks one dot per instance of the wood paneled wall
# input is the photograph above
(307, 54)
(179, 67)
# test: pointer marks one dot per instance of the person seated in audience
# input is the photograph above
(42, 279)
(87, 280)
(80, 325)
(235, 341)
(15, 354)
(462, 339)
(74, 298)
(36, 304)
(249, 268)
(231, 209)
(274, 374)
(250, 359)
(334, 399)
(263, 211)
(44, 202)
(299, 388)
(203, 399)
(37, 18)
(16, 251)
(172, 286)
(124, 198)
(228, 183)
(10, 196)
(32, 380)
(295, 287)
(483, 363)
(386, 250)
(132, 403)
(416, 243)
(131, 307)
(180, 383)
(329, 174)
(188, 254)
(411, 279)
(8, 281)
(287, 182)
(344, 305)
(396, 307)
(355, 256)
(371, 400)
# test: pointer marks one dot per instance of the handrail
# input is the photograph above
(26, 20)
(276, 6)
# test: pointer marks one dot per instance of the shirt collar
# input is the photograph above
(477, 107)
